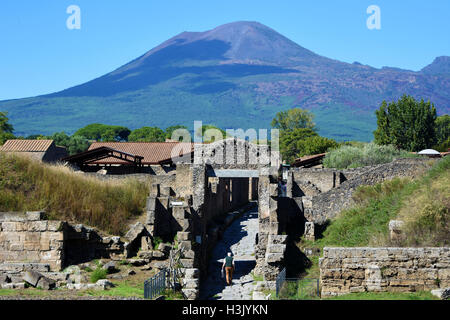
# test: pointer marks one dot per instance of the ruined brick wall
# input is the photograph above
(26, 237)
(327, 205)
(346, 270)
(323, 179)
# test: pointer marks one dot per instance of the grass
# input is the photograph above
(98, 274)
(422, 203)
(29, 185)
(257, 277)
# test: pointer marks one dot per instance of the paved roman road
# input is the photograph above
(240, 238)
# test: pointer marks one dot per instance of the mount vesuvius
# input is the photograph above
(237, 75)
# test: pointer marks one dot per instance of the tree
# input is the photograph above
(289, 142)
(442, 126)
(74, 144)
(77, 144)
(294, 119)
(210, 135)
(5, 126)
(407, 124)
(314, 145)
(98, 131)
(171, 129)
(147, 134)
(6, 129)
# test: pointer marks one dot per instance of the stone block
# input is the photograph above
(179, 213)
(190, 294)
(32, 277)
(165, 191)
(110, 267)
(16, 247)
(145, 254)
(190, 254)
(309, 231)
(146, 243)
(104, 284)
(37, 226)
(46, 283)
(187, 263)
(158, 255)
(191, 283)
(55, 225)
(151, 217)
(185, 225)
(35, 215)
(186, 245)
(274, 258)
(191, 273)
(183, 236)
(276, 248)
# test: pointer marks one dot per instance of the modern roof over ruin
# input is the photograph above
(309, 160)
(152, 152)
(18, 145)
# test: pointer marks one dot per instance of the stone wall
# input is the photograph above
(326, 205)
(26, 237)
(346, 270)
(271, 245)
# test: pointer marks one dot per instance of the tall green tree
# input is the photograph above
(295, 118)
(289, 142)
(206, 138)
(147, 134)
(6, 129)
(407, 124)
(442, 126)
(103, 132)
(74, 144)
(171, 129)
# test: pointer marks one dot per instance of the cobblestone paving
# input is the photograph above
(240, 238)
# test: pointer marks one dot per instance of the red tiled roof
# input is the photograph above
(153, 152)
(17, 145)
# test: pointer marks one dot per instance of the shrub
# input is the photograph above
(365, 155)
(98, 274)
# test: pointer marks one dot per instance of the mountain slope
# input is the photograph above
(236, 76)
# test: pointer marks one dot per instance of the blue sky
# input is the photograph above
(39, 55)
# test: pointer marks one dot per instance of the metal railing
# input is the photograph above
(296, 288)
(155, 285)
(281, 278)
(166, 278)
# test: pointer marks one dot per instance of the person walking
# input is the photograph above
(228, 264)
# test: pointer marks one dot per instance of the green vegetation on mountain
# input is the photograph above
(30, 185)
(238, 75)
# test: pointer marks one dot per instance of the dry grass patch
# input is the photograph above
(27, 184)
